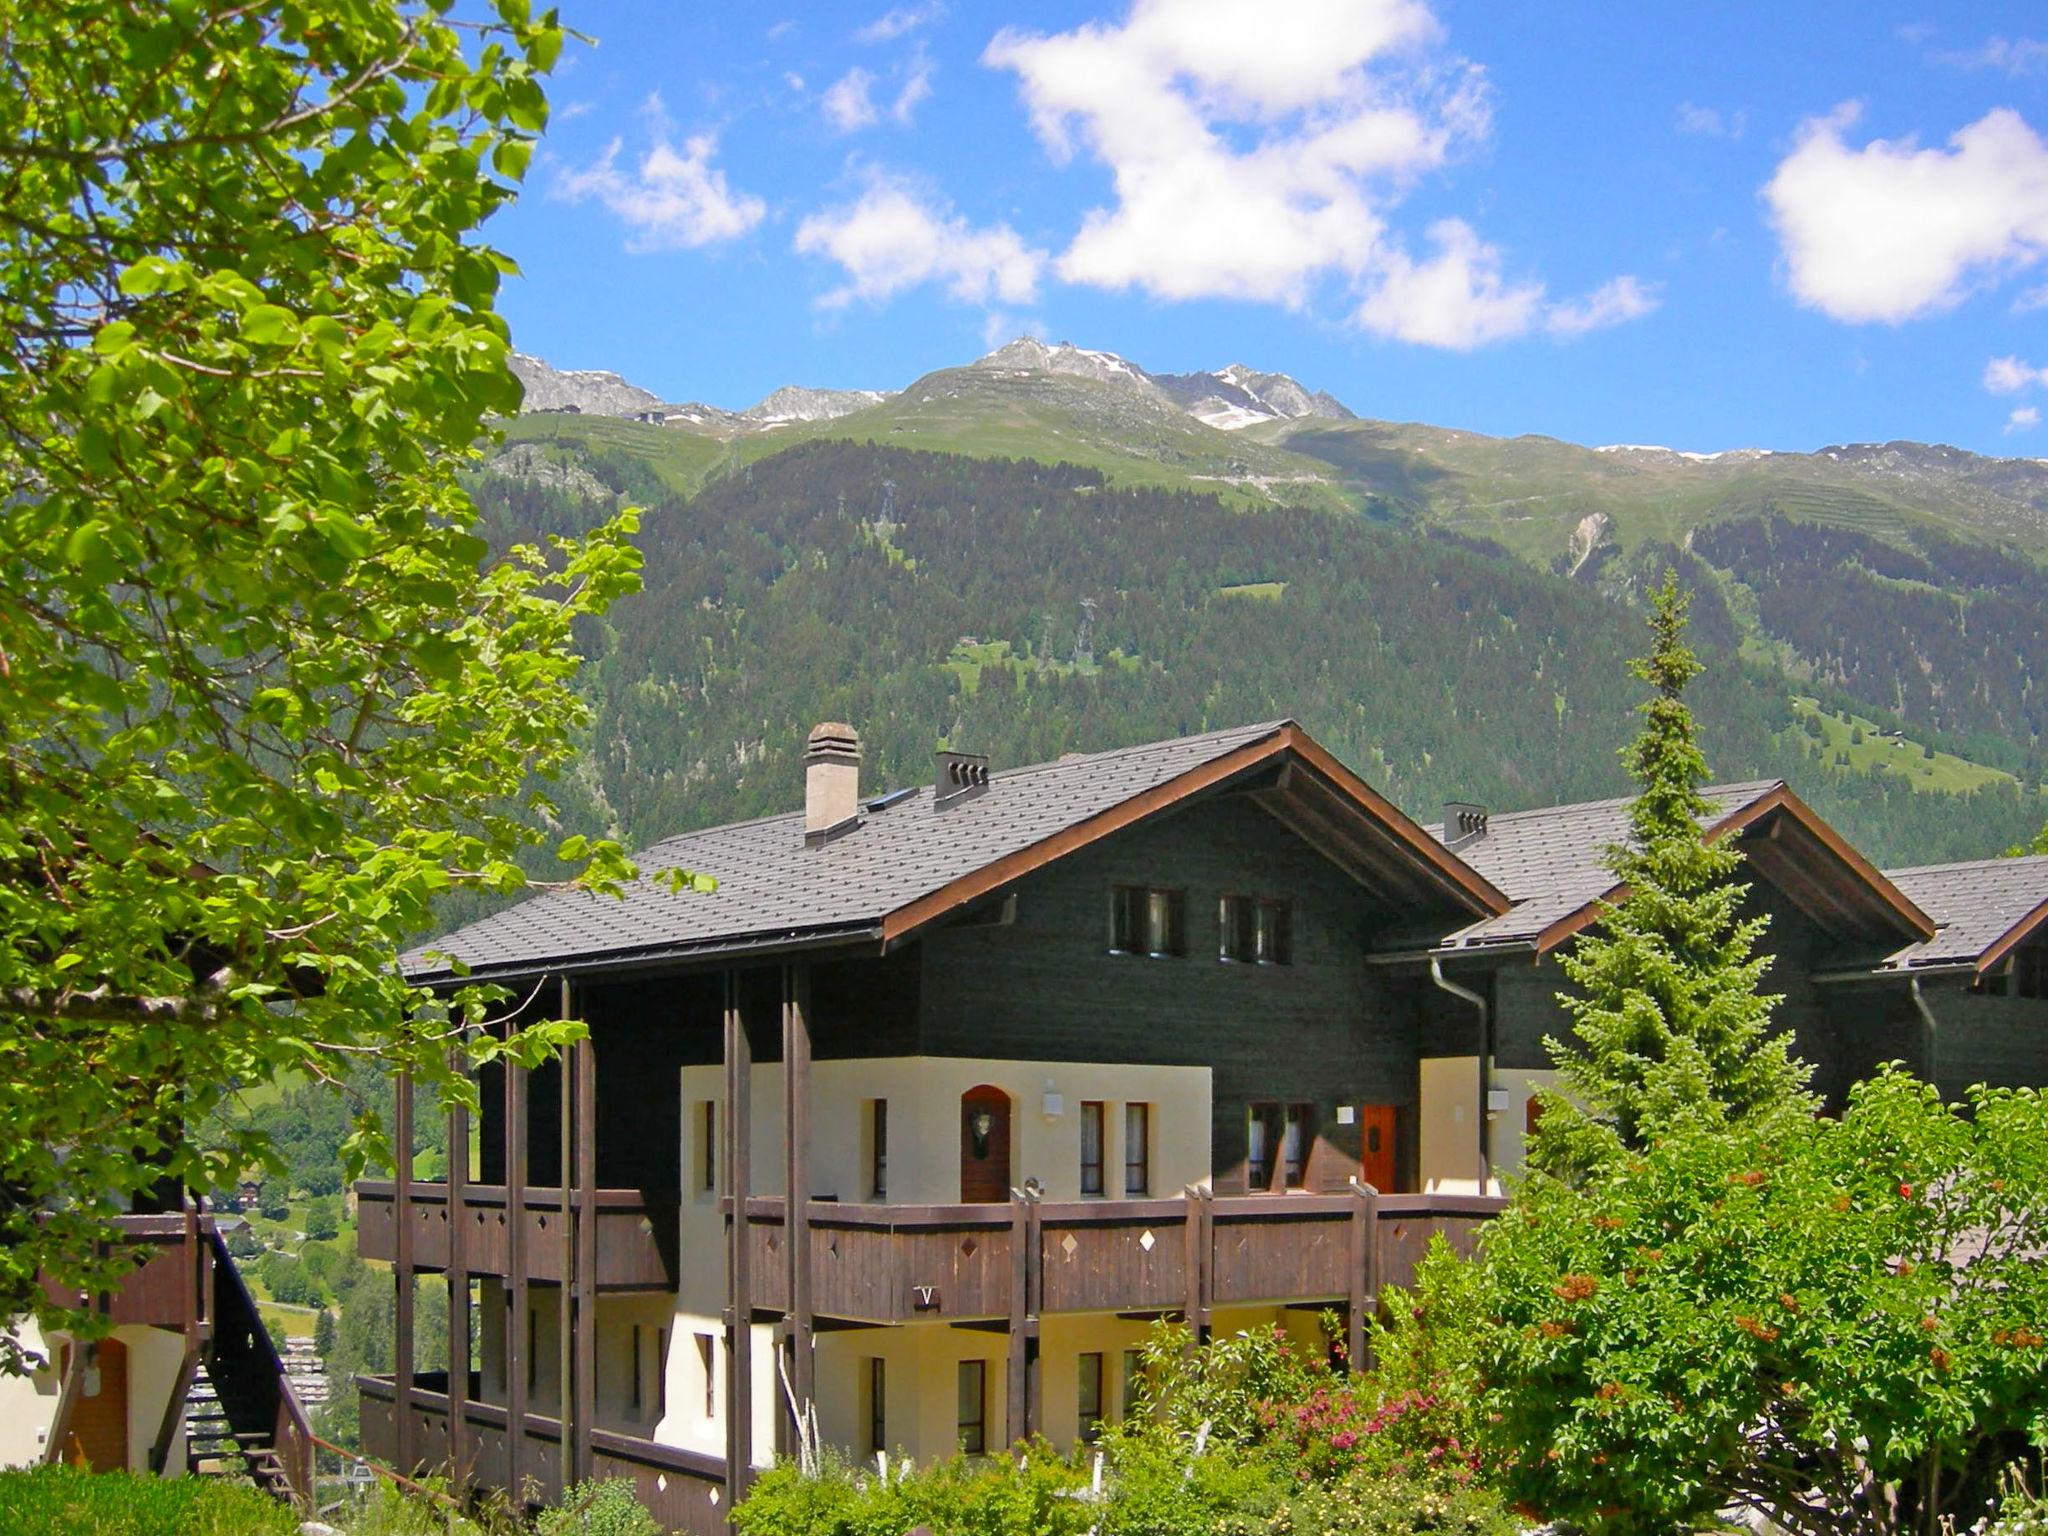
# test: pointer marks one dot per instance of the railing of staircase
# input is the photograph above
(246, 1365)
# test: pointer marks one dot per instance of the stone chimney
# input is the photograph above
(831, 782)
(1464, 823)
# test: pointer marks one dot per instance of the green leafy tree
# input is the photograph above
(1669, 1019)
(1839, 1326)
(266, 694)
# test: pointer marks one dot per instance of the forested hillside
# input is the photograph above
(930, 597)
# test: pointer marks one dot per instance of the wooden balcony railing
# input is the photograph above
(680, 1488)
(882, 1263)
(636, 1239)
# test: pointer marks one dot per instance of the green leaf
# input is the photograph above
(270, 325)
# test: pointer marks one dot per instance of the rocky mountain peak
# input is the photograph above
(1029, 354)
(794, 402)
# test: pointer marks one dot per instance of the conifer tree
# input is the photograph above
(1670, 1022)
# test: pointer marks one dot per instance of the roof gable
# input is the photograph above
(1552, 862)
(908, 864)
(1986, 909)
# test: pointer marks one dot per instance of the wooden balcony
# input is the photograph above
(680, 1488)
(888, 1264)
(173, 1281)
(636, 1239)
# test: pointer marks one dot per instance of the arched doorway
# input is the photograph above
(984, 1145)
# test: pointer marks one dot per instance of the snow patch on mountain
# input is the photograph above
(793, 402)
(591, 391)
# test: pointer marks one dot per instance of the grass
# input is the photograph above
(1257, 591)
(1898, 756)
(63, 1501)
(285, 1321)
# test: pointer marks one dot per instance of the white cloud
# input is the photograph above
(849, 102)
(2023, 419)
(669, 200)
(917, 85)
(793, 80)
(1614, 302)
(2008, 376)
(895, 237)
(1257, 154)
(2031, 300)
(1892, 231)
(1710, 122)
(2014, 56)
(1456, 299)
(903, 19)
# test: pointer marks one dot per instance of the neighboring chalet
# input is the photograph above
(1205, 1029)
(184, 1380)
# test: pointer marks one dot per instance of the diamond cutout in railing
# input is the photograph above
(1145, 1241)
(968, 1247)
(1068, 1245)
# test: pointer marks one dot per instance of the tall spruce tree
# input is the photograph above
(1670, 1020)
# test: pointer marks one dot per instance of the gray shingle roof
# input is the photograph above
(1548, 861)
(772, 888)
(1977, 904)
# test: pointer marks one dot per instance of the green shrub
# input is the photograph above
(1159, 1487)
(2022, 1507)
(64, 1501)
(607, 1507)
(960, 1497)
(1366, 1504)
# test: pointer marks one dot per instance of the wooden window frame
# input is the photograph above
(1131, 926)
(704, 1128)
(1089, 1421)
(1294, 1167)
(707, 1357)
(972, 1432)
(660, 1373)
(638, 1397)
(1097, 1111)
(1138, 1167)
(1240, 920)
(878, 1149)
(1264, 1116)
(875, 1395)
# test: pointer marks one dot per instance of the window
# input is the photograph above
(1088, 1400)
(1091, 1147)
(1134, 1381)
(1258, 1146)
(661, 1373)
(1137, 1149)
(532, 1349)
(1255, 930)
(707, 1361)
(707, 1146)
(875, 1393)
(636, 1368)
(974, 1406)
(1294, 1144)
(1287, 1131)
(1145, 920)
(878, 1149)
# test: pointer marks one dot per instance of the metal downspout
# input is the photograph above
(1928, 1034)
(1477, 1000)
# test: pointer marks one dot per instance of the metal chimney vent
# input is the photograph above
(961, 776)
(1464, 823)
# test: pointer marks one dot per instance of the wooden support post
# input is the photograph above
(402, 1358)
(1198, 1232)
(1034, 1303)
(516, 1362)
(739, 1325)
(1364, 1270)
(796, 1188)
(458, 1285)
(565, 1259)
(68, 1393)
(1017, 1365)
(584, 1060)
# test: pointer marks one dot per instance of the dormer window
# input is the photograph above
(1255, 930)
(1147, 920)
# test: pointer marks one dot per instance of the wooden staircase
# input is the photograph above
(242, 1416)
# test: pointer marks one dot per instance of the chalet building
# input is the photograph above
(184, 1380)
(914, 1127)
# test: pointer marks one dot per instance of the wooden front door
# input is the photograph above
(99, 1422)
(1378, 1164)
(984, 1146)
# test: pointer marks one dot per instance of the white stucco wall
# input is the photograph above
(28, 1403)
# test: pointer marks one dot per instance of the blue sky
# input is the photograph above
(1706, 226)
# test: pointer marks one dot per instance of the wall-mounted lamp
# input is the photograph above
(979, 1124)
